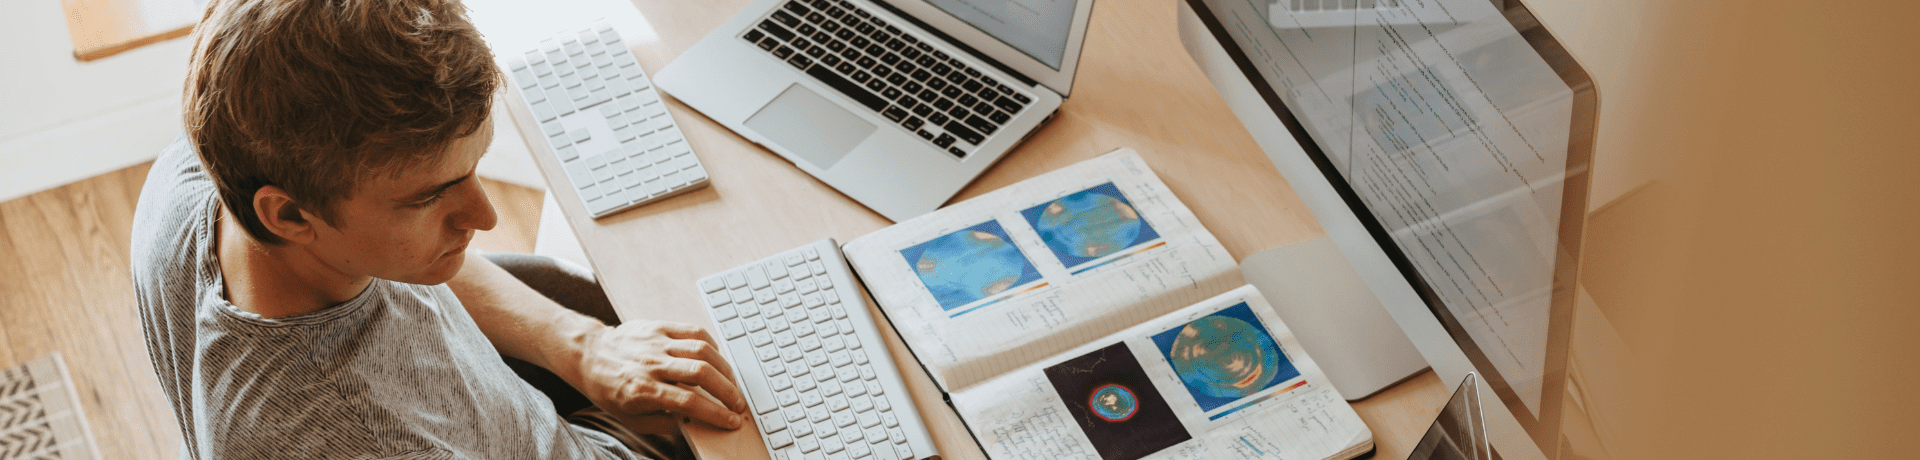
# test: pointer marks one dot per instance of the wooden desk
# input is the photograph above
(1136, 88)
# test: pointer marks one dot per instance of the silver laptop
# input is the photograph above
(897, 105)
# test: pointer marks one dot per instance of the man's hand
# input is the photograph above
(645, 373)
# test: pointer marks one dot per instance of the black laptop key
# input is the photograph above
(891, 93)
(928, 96)
(964, 133)
(834, 45)
(876, 50)
(999, 117)
(882, 72)
(851, 89)
(906, 66)
(921, 75)
(944, 140)
(908, 38)
(845, 67)
(925, 135)
(865, 28)
(957, 77)
(938, 118)
(972, 86)
(877, 22)
(912, 86)
(783, 52)
(937, 84)
(754, 36)
(1024, 100)
(830, 27)
(768, 44)
(897, 79)
(972, 73)
(943, 104)
(984, 108)
(787, 19)
(800, 62)
(1007, 104)
(776, 31)
(807, 30)
(862, 13)
(816, 52)
(860, 76)
(874, 84)
(905, 100)
(959, 111)
(823, 37)
(829, 59)
(924, 61)
(910, 54)
(940, 69)
(940, 55)
(865, 62)
(850, 53)
(950, 91)
(896, 44)
(913, 123)
(982, 124)
(844, 34)
(859, 42)
(966, 100)
(895, 113)
(922, 110)
(821, 4)
(890, 58)
(801, 45)
(1004, 90)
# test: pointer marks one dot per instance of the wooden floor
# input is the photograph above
(65, 286)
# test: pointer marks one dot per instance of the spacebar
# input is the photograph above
(851, 89)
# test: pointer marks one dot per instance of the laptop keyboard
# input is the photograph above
(928, 92)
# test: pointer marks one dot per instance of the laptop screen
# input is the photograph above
(1036, 27)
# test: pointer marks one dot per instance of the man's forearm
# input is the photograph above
(521, 322)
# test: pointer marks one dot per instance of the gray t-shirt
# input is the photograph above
(399, 371)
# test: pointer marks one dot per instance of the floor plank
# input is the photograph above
(64, 286)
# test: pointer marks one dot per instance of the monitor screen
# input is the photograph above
(1459, 144)
(1037, 28)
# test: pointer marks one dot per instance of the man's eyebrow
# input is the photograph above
(429, 192)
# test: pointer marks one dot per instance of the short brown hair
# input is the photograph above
(314, 95)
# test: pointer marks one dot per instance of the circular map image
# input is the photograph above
(1113, 403)
(1224, 357)
(1089, 225)
(969, 265)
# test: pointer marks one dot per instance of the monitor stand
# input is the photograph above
(1336, 317)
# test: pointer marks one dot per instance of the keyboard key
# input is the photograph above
(944, 140)
(848, 88)
(964, 133)
(982, 124)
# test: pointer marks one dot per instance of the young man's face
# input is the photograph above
(412, 227)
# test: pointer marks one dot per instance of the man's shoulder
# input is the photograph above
(173, 202)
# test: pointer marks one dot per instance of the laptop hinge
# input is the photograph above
(957, 44)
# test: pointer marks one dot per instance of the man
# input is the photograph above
(300, 259)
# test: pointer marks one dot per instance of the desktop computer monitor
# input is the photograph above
(1443, 145)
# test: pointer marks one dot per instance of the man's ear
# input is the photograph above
(283, 216)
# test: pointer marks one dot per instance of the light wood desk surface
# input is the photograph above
(1136, 87)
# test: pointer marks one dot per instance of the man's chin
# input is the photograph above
(443, 270)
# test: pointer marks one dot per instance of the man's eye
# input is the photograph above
(430, 200)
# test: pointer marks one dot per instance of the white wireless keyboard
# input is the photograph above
(810, 358)
(605, 122)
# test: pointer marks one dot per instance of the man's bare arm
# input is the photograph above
(639, 368)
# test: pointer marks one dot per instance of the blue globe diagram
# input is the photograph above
(1114, 403)
(1088, 225)
(1224, 357)
(970, 265)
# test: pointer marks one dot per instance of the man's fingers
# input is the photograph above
(686, 402)
(701, 374)
(704, 351)
(684, 331)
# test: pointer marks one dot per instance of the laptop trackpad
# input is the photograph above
(810, 126)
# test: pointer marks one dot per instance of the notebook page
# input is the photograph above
(1222, 379)
(986, 285)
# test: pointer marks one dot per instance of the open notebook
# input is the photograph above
(1086, 313)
